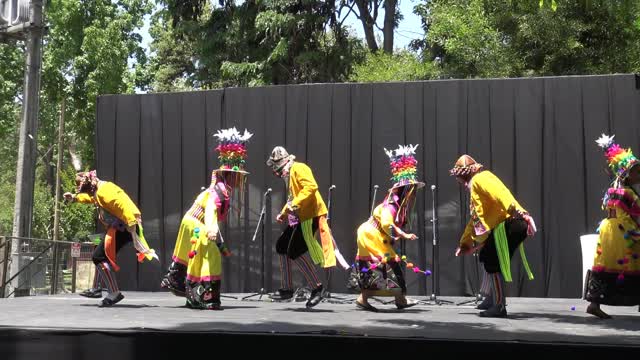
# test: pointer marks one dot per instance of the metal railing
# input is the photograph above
(36, 273)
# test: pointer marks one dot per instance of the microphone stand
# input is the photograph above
(260, 226)
(435, 283)
(327, 293)
(373, 199)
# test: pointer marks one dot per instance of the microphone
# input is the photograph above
(376, 187)
(433, 187)
(268, 191)
(332, 187)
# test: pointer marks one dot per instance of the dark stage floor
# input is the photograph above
(550, 322)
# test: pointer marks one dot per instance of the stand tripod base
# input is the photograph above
(475, 301)
(328, 297)
(433, 300)
(260, 293)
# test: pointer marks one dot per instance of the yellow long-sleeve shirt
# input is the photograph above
(490, 201)
(304, 191)
(113, 199)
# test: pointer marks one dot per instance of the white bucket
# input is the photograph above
(589, 244)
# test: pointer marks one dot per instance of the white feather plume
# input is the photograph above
(232, 134)
(604, 141)
(402, 150)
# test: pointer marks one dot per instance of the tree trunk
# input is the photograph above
(49, 173)
(389, 24)
(367, 24)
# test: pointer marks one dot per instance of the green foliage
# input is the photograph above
(251, 43)
(470, 43)
(487, 38)
(86, 54)
(90, 48)
(402, 66)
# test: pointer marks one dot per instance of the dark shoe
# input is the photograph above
(111, 300)
(406, 305)
(496, 311)
(485, 304)
(366, 306)
(596, 311)
(92, 293)
(213, 306)
(174, 280)
(282, 294)
(316, 297)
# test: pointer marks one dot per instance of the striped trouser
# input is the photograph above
(306, 267)
(108, 276)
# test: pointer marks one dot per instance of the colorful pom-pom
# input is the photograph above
(193, 241)
(427, 272)
(409, 265)
(620, 261)
(573, 308)
(364, 269)
(404, 257)
(635, 256)
(192, 253)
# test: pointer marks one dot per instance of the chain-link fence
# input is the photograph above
(30, 266)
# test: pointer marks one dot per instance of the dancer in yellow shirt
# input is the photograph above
(123, 222)
(498, 225)
(306, 213)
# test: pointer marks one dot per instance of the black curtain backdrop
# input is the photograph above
(536, 134)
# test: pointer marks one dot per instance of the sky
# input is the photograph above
(408, 29)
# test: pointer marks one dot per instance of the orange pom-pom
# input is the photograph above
(409, 265)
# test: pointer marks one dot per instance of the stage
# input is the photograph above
(69, 326)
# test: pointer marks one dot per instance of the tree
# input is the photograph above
(402, 66)
(368, 15)
(523, 38)
(249, 44)
(90, 48)
(465, 41)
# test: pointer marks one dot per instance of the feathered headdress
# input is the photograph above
(232, 149)
(404, 166)
(620, 160)
(232, 154)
